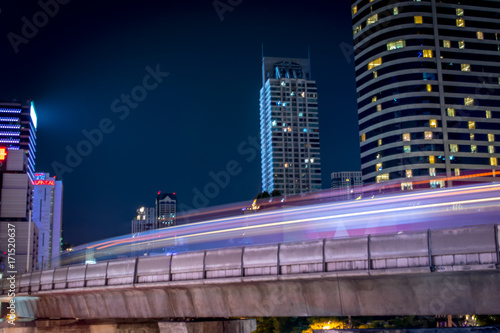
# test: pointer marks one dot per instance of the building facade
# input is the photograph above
(47, 215)
(428, 87)
(346, 184)
(289, 128)
(166, 210)
(145, 220)
(16, 225)
(18, 122)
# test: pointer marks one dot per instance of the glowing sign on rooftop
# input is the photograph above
(44, 182)
(33, 114)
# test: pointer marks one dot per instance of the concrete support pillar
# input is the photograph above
(226, 326)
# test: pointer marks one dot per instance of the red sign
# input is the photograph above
(44, 182)
(3, 153)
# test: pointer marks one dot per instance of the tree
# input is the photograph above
(276, 193)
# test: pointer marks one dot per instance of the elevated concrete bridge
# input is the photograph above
(453, 271)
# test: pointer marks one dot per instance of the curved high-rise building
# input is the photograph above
(428, 88)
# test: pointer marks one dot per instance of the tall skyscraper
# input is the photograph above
(16, 226)
(289, 129)
(427, 75)
(47, 215)
(166, 210)
(347, 184)
(18, 124)
(145, 220)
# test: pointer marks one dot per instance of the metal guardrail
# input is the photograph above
(472, 248)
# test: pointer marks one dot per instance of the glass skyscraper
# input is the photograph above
(428, 88)
(289, 129)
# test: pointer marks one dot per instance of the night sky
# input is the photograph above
(197, 115)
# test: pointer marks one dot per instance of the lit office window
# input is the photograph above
(378, 167)
(362, 137)
(379, 107)
(372, 19)
(453, 148)
(354, 10)
(406, 186)
(407, 149)
(473, 148)
(493, 161)
(433, 123)
(432, 171)
(451, 112)
(418, 19)
(468, 101)
(461, 44)
(491, 149)
(480, 35)
(491, 137)
(375, 63)
(472, 125)
(375, 74)
(374, 98)
(406, 137)
(431, 159)
(357, 29)
(428, 135)
(427, 53)
(472, 137)
(460, 11)
(457, 171)
(395, 11)
(488, 114)
(446, 43)
(460, 22)
(396, 45)
(383, 177)
(409, 173)
(465, 67)
(429, 88)
(379, 142)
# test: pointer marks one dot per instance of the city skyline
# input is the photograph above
(85, 58)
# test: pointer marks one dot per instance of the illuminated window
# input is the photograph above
(437, 184)
(451, 112)
(457, 171)
(374, 98)
(431, 159)
(409, 173)
(375, 74)
(418, 19)
(362, 137)
(488, 114)
(379, 107)
(429, 88)
(468, 101)
(372, 19)
(460, 11)
(432, 171)
(375, 63)
(473, 148)
(491, 149)
(378, 167)
(357, 29)
(428, 135)
(472, 136)
(379, 142)
(396, 45)
(395, 11)
(491, 137)
(493, 161)
(427, 53)
(433, 123)
(354, 10)
(480, 35)
(465, 67)
(472, 125)
(407, 149)
(382, 177)
(446, 43)
(460, 22)
(453, 148)
(461, 44)
(406, 186)
(406, 137)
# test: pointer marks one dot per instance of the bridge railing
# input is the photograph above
(472, 248)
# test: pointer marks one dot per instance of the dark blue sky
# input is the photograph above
(90, 53)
